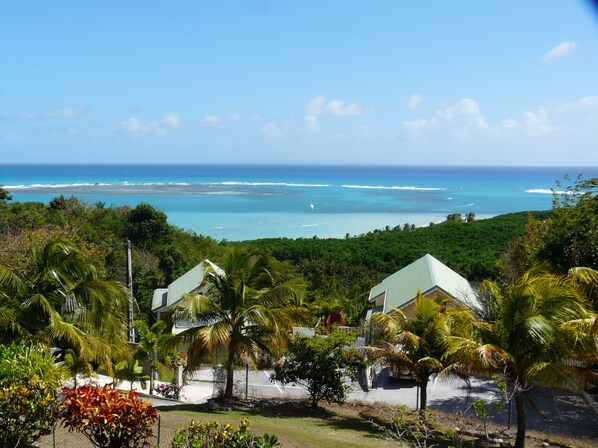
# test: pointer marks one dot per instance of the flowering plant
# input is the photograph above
(109, 418)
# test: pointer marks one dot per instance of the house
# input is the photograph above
(190, 282)
(428, 275)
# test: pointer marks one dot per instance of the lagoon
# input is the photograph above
(240, 202)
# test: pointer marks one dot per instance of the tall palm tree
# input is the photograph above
(246, 308)
(542, 326)
(65, 302)
(420, 343)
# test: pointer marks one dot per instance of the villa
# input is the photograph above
(188, 283)
(428, 275)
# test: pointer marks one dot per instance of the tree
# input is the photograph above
(247, 307)
(64, 302)
(5, 196)
(421, 343)
(572, 236)
(541, 325)
(145, 225)
(130, 370)
(321, 364)
(152, 346)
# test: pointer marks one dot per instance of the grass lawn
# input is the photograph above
(293, 424)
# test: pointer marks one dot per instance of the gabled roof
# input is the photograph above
(187, 283)
(425, 274)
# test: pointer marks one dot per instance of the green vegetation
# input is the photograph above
(29, 404)
(542, 326)
(420, 344)
(153, 346)
(62, 301)
(470, 248)
(249, 307)
(321, 364)
(221, 435)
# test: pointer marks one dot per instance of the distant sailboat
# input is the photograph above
(311, 206)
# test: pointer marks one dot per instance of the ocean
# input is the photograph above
(247, 202)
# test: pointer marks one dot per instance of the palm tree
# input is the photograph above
(153, 343)
(542, 326)
(247, 308)
(64, 302)
(421, 343)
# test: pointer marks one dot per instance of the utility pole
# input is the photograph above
(130, 288)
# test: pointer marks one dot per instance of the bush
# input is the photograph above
(28, 401)
(171, 391)
(321, 365)
(108, 418)
(221, 435)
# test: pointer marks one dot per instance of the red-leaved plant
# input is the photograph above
(109, 418)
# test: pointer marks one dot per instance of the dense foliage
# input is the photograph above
(102, 232)
(29, 405)
(321, 364)
(470, 248)
(108, 418)
(221, 435)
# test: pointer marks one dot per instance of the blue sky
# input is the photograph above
(356, 82)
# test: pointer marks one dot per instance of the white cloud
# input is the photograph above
(68, 111)
(211, 120)
(171, 120)
(586, 103)
(461, 120)
(414, 101)
(465, 120)
(337, 107)
(562, 49)
(319, 106)
(535, 124)
(133, 125)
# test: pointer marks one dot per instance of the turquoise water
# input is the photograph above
(246, 202)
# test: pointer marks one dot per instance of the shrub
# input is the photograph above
(28, 400)
(109, 418)
(221, 435)
(321, 364)
(171, 391)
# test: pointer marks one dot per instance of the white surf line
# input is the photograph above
(277, 386)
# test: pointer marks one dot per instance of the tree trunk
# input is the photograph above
(230, 372)
(423, 394)
(520, 407)
(152, 371)
(151, 382)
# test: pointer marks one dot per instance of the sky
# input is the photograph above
(470, 82)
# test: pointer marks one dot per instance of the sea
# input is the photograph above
(243, 202)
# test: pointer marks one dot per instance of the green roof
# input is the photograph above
(426, 275)
(187, 283)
